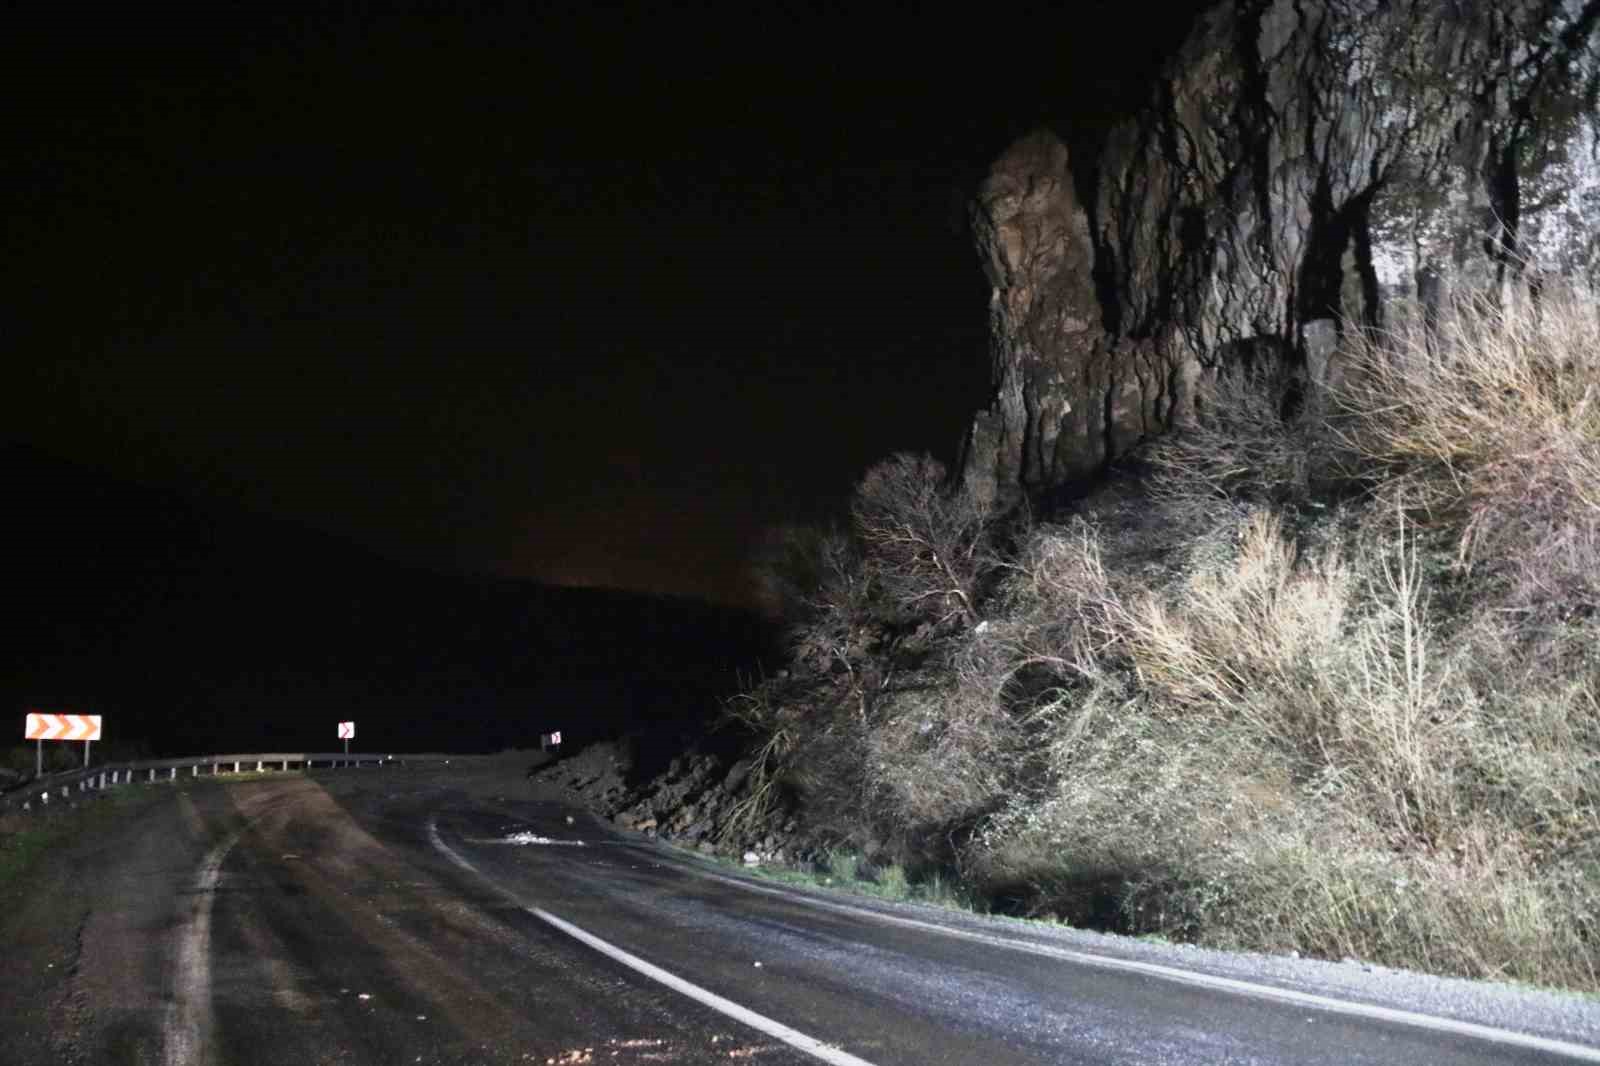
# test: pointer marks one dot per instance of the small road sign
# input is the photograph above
(555, 738)
(347, 730)
(42, 726)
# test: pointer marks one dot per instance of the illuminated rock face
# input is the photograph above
(1301, 164)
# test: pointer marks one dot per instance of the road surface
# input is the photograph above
(392, 916)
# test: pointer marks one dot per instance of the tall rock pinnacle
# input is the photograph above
(1299, 165)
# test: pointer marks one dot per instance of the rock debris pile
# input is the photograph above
(694, 802)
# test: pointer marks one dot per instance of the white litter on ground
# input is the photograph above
(524, 839)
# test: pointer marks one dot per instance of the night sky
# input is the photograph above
(587, 296)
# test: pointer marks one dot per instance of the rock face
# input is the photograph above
(1300, 165)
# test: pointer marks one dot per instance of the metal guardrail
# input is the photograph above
(63, 785)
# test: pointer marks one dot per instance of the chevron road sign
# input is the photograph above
(347, 730)
(62, 727)
(43, 727)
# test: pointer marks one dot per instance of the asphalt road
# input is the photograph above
(389, 916)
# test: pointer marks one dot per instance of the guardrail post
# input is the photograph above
(258, 766)
(152, 774)
(286, 766)
(236, 766)
(194, 771)
(173, 774)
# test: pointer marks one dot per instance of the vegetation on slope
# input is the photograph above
(1325, 682)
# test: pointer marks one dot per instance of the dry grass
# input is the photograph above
(1288, 762)
(1487, 424)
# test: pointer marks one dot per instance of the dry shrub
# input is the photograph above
(1486, 421)
(792, 569)
(1249, 441)
(1290, 761)
(941, 753)
(926, 542)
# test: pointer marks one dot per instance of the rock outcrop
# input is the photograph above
(1299, 166)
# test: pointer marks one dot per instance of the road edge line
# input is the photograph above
(777, 1030)
(1415, 1019)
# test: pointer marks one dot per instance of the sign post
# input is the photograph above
(41, 727)
(347, 733)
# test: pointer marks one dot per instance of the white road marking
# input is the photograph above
(777, 1030)
(1506, 1037)
(187, 1029)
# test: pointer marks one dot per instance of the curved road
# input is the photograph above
(390, 916)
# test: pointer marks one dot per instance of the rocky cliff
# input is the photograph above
(1299, 165)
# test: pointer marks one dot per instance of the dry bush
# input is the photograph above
(1486, 421)
(788, 566)
(926, 542)
(943, 748)
(889, 742)
(1246, 443)
(1275, 754)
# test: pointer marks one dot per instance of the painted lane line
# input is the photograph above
(760, 1022)
(1488, 1033)
(187, 1029)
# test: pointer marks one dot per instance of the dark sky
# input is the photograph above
(588, 296)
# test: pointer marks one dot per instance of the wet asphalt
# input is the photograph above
(394, 919)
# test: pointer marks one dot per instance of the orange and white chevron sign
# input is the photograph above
(62, 727)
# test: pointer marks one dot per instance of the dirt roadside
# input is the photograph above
(53, 862)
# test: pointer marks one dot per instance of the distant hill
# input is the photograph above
(193, 626)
